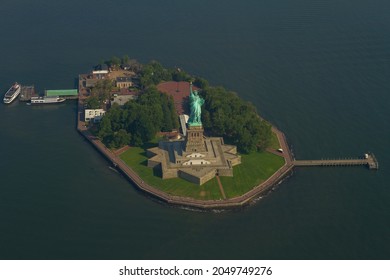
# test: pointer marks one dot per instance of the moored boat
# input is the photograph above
(12, 93)
(46, 100)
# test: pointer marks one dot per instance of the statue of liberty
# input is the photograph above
(196, 103)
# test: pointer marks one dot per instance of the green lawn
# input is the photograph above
(274, 142)
(136, 158)
(254, 169)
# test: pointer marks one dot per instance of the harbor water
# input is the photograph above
(317, 69)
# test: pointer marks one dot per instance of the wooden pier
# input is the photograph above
(26, 92)
(369, 160)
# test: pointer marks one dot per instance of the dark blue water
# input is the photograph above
(317, 69)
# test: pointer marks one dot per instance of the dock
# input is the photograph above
(26, 92)
(369, 160)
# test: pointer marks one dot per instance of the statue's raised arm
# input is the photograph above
(191, 92)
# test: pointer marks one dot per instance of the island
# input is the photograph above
(177, 138)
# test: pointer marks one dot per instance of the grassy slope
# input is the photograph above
(254, 169)
(274, 142)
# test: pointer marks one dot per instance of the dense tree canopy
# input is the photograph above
(138, 121)
(223, 114)
(114, 61)
(201, 83)
(93, 102)
(99, 94)
(237, 121)
(153, 73)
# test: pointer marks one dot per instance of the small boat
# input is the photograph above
(113, 169)
(12, 93)
(46, 100)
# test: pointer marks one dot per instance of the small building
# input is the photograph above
(100, 72)
(100, 69)
(65, 93)
(124, 82)
(94, 115)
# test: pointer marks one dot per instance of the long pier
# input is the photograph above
(369, 160)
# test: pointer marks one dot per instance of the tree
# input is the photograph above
(102, 90)
(179, 75)
(120, 139)
(92, 102)
(167, 124)
(135, 65)
(104, 128)
(115, 61)
(137, 122)
(226, 115)
(153, 73)
(201, 83)
(125, 59)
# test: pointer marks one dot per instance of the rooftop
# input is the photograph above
(123, 79)
(61, 92)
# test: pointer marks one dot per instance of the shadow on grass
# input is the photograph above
(148, 145)
(152, 143)
(157, 171)
(143, 153)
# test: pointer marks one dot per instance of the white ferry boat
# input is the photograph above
(46, 100)
(12, 93)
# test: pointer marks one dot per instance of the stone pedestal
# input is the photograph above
(194, 140)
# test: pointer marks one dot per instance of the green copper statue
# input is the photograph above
(196, 103)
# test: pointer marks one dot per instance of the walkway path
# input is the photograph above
(221, 187)
(288, 157)
(121, 150)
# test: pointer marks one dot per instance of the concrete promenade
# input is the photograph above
(186, 201)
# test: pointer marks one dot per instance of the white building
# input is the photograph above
(94, 114)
